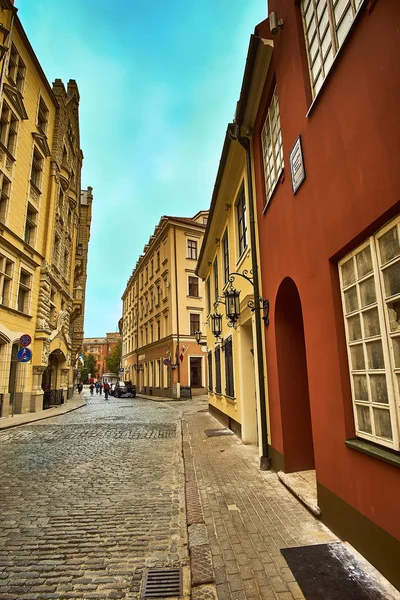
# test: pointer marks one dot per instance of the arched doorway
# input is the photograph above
(297, 436)
(51, 381)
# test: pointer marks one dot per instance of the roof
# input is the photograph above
(185, 220)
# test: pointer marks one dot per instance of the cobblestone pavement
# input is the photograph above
(250, 516)
(90, 499)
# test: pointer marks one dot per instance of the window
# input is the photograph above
(216, 288)
(241, 221)
(192, 249)
(43, 116)
(151, 333)
(370, 285)
(30, 225)
(147, 274)
(326, 24)
(66, 264)
(16, 68)
(208, 296)
(24, 291)
(194, 287)
(218, 370)
(226, 257)
(205, 219)
(158, 298)
(229, 389)
(37, 168)
(158, 260)
(8, 128)
(194, 323)
(5, 185)
(6, 269)
(158, 330)
(210, 372)
(271, 140)
(151, 268)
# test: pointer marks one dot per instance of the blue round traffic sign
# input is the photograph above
(25, 340)
(24, 355)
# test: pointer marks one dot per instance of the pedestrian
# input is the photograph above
(106, 390)
(97, 386)
(80, 387)
(91, 389)
(101, 388)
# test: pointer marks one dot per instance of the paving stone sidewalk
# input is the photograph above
(249, 516)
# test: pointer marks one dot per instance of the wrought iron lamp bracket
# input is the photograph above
(264, 305)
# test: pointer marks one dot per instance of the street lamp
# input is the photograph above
(216, 324)
(198, 336)
(232, 305)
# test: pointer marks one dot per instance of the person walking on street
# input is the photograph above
(79, 387)
(106, 390)
(91, 389)
(97, 386)
(101, 388)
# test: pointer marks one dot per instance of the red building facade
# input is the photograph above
(329, 257)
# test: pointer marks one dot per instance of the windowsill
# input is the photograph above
(380, 452)
(230, 399)
(35, 187)
(279, 179)
(336, 58)
(15, 311)
(190, 258)
(196, 297)
(6, 150)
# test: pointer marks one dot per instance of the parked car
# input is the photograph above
(123, 388)
(112, 389)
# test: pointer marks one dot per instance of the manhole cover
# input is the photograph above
(162, 583)
(215, 432)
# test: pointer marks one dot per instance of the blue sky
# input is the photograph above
(158, 82)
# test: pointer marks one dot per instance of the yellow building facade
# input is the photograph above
(43, 223)
(163, 305)
(229, 260)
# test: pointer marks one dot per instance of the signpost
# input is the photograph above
(24, 355)
(25, 340)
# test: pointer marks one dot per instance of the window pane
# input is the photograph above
(345, 25)
(354, 326)
(351, 300)
(389, 245)
(364, 262)
(391, 277)
(379, 389)
(371, 322)
(364, 418)
(383, 427)
(348, 273)
(375, 355)
(367, 292)
(394, 315)
(340, 8)
(396, 351)
(357, 357)
(360, 388)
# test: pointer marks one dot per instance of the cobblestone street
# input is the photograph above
(91, 498)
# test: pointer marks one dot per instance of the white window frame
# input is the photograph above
(390, 370)
(326, 24)
(272, 147)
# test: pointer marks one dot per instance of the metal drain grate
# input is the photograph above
(162, 583)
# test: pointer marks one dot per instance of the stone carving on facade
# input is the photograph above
(43, 314)
(46, 351)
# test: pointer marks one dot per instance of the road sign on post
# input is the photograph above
(24, 355)
(25, 340)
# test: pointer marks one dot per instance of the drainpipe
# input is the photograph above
(178, 362)
(265, 460)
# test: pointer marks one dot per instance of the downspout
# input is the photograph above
(178, 362)
(265, 460)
